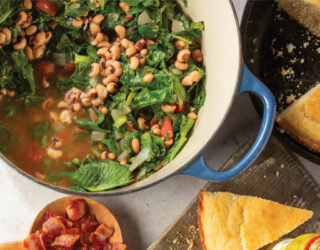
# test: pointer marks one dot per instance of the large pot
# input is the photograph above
(226, 77)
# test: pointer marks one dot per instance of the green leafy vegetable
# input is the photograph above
(6, 138)
(40, 131)
(101, 175)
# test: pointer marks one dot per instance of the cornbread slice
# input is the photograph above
(301, 120)
(233, 222)
(305, 12)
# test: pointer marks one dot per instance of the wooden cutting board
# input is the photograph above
(276, 175)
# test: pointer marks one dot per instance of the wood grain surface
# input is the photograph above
(276, 175)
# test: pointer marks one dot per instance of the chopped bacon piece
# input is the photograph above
(119, 246)
(76, 209)
(89, 223)
(101, 235)
(49, 215)
(108, 246)
(72, 231)
(65, 240)
(53, 225)
(66, 222)
(35, 241)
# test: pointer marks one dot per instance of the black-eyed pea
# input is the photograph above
(65, 116)
(168, 142)
(116, 52)
(135, 144)
(183, 55)
(141, 44)
(47, 104)
(168, 108)
(104, 155)
(192, 115)
(142, 123)
(77, 22)
(54, 154)
(111, 156)
(102, 52)
(39, 39)
(124, 162)
(21, 45)
(95, 69)
(2, 38)
(85, 101)
(22, 18)
(197, 55)
(116, 68)
(102, 91)
(98, 18)
(148, 77)
(142, 61)
(103, 110)
(110, 78)
(156, 129)
(124, 6)
(125, 43)
(11, 93)
(144, 52)
(48, 36)
(56, 142)
(104, 44)
(94, 28)
(92, 93)
(3, 91)
(38, 52)
(7, 33)
(134, 63)
(31, 30)
(96, 102)
(121, 31)
(179, 44)
(62, 105)
(76, 107)
(53, 117)
(27, 23)
(150, 42)
(96, 39)
(44, 82)
(192, 77)
(112, 87)
(27, 4)
(131, 51)
(181, 65)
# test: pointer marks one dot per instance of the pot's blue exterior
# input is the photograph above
(249, 83)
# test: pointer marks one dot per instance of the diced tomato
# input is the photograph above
(46, 68)
(34, 153)
(166, 127)
(101, 235)
(76, 209)
(181, 108)
(65, 240)
(47, 6)
(119, 246)
(68, 70)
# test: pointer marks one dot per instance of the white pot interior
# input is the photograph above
(221, 49)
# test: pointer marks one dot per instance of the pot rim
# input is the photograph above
(177, 171)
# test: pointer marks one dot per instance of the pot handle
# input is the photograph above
(249, 83)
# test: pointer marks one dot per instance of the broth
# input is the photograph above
(30, 154)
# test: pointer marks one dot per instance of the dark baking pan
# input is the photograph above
(284, 56)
